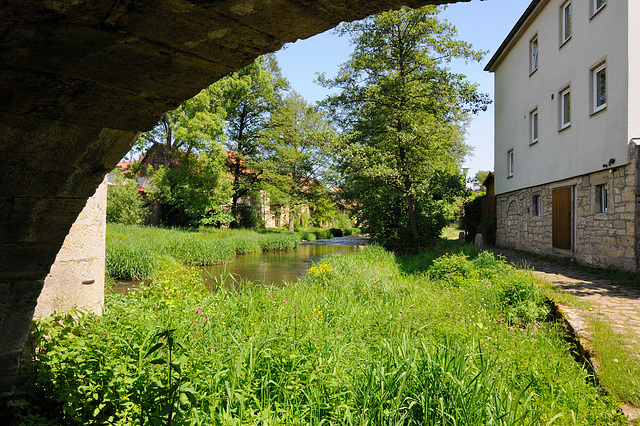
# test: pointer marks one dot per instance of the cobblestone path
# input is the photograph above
(604, 299)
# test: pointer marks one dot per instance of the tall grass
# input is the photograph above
(359, 341)
(135, 252)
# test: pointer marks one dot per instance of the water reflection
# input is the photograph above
(274, 267)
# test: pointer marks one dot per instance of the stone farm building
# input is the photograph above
(567, 131)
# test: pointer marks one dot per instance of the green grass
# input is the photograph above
(618, 362)
(364, 339)
(136, 252)
(615, 353)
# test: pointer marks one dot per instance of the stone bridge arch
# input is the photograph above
(80, 79)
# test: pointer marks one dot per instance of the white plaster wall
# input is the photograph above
(592, 138)
(634, 68)
(80, 261)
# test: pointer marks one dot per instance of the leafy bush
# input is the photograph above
(124, 204)
(451, 265)
(336, 232)
(323, 234)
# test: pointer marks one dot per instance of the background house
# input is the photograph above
(567, 116)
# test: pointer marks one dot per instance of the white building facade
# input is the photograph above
(567, 119)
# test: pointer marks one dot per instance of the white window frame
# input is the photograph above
(595, 8)
(534, 126)
(567, 12)
(534, 50)
(564, 120)
(510, 163)
(594, 88)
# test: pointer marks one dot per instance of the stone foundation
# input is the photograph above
(599, 239)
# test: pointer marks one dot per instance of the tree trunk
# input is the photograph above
(413, 217)
(411, 204)
(154, 217)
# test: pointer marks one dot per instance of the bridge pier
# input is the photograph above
(80, 79)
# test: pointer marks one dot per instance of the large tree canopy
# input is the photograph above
(249, 97)
(403, 115)
(188, 187)
(298, 138)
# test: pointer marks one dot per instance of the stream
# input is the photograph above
(279, 267)
(270, 267)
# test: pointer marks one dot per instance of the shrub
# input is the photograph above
(124, 204)
(336, 232)
(451, 265)
(323, 234)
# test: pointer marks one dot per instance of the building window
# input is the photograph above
(566, 22)
(602, 203)
(533, 48)
(533, 121)
(536, 203)
(510, 163)
(565, 108)
(599, 89)
(597, 5)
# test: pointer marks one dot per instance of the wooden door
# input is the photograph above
(562, 206)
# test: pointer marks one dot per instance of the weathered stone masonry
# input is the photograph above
(600, 239)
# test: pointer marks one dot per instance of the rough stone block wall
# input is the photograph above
(600, 239)
(76, 278)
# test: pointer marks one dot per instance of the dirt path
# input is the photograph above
(611, 302)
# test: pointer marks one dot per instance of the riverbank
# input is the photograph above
(364, 338)
(137, 252)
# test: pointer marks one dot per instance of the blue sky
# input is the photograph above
(485, 24)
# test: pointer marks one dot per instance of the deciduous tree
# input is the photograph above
(249, 96)
(403, 115)
(298, 136)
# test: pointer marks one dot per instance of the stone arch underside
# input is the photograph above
(79, 80)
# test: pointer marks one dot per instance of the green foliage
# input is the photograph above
(451, 266)
(136, 252)
(336, 232)
(298, 136)
(249, 97)
(189, 186)
(193, 193)
(471, 219)
(357, 342)
(478, 179)
(473, 222)
(124, 204)
(403, 114)
(323, 234)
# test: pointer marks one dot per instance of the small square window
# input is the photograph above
(510, 163)
(599, 89)
(536, 204)
(566, 22)
(601, 200)
(533, 54)
(565, 108)
(533, 121)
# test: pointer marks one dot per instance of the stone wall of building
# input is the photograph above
(76, 278)
(599, 239)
